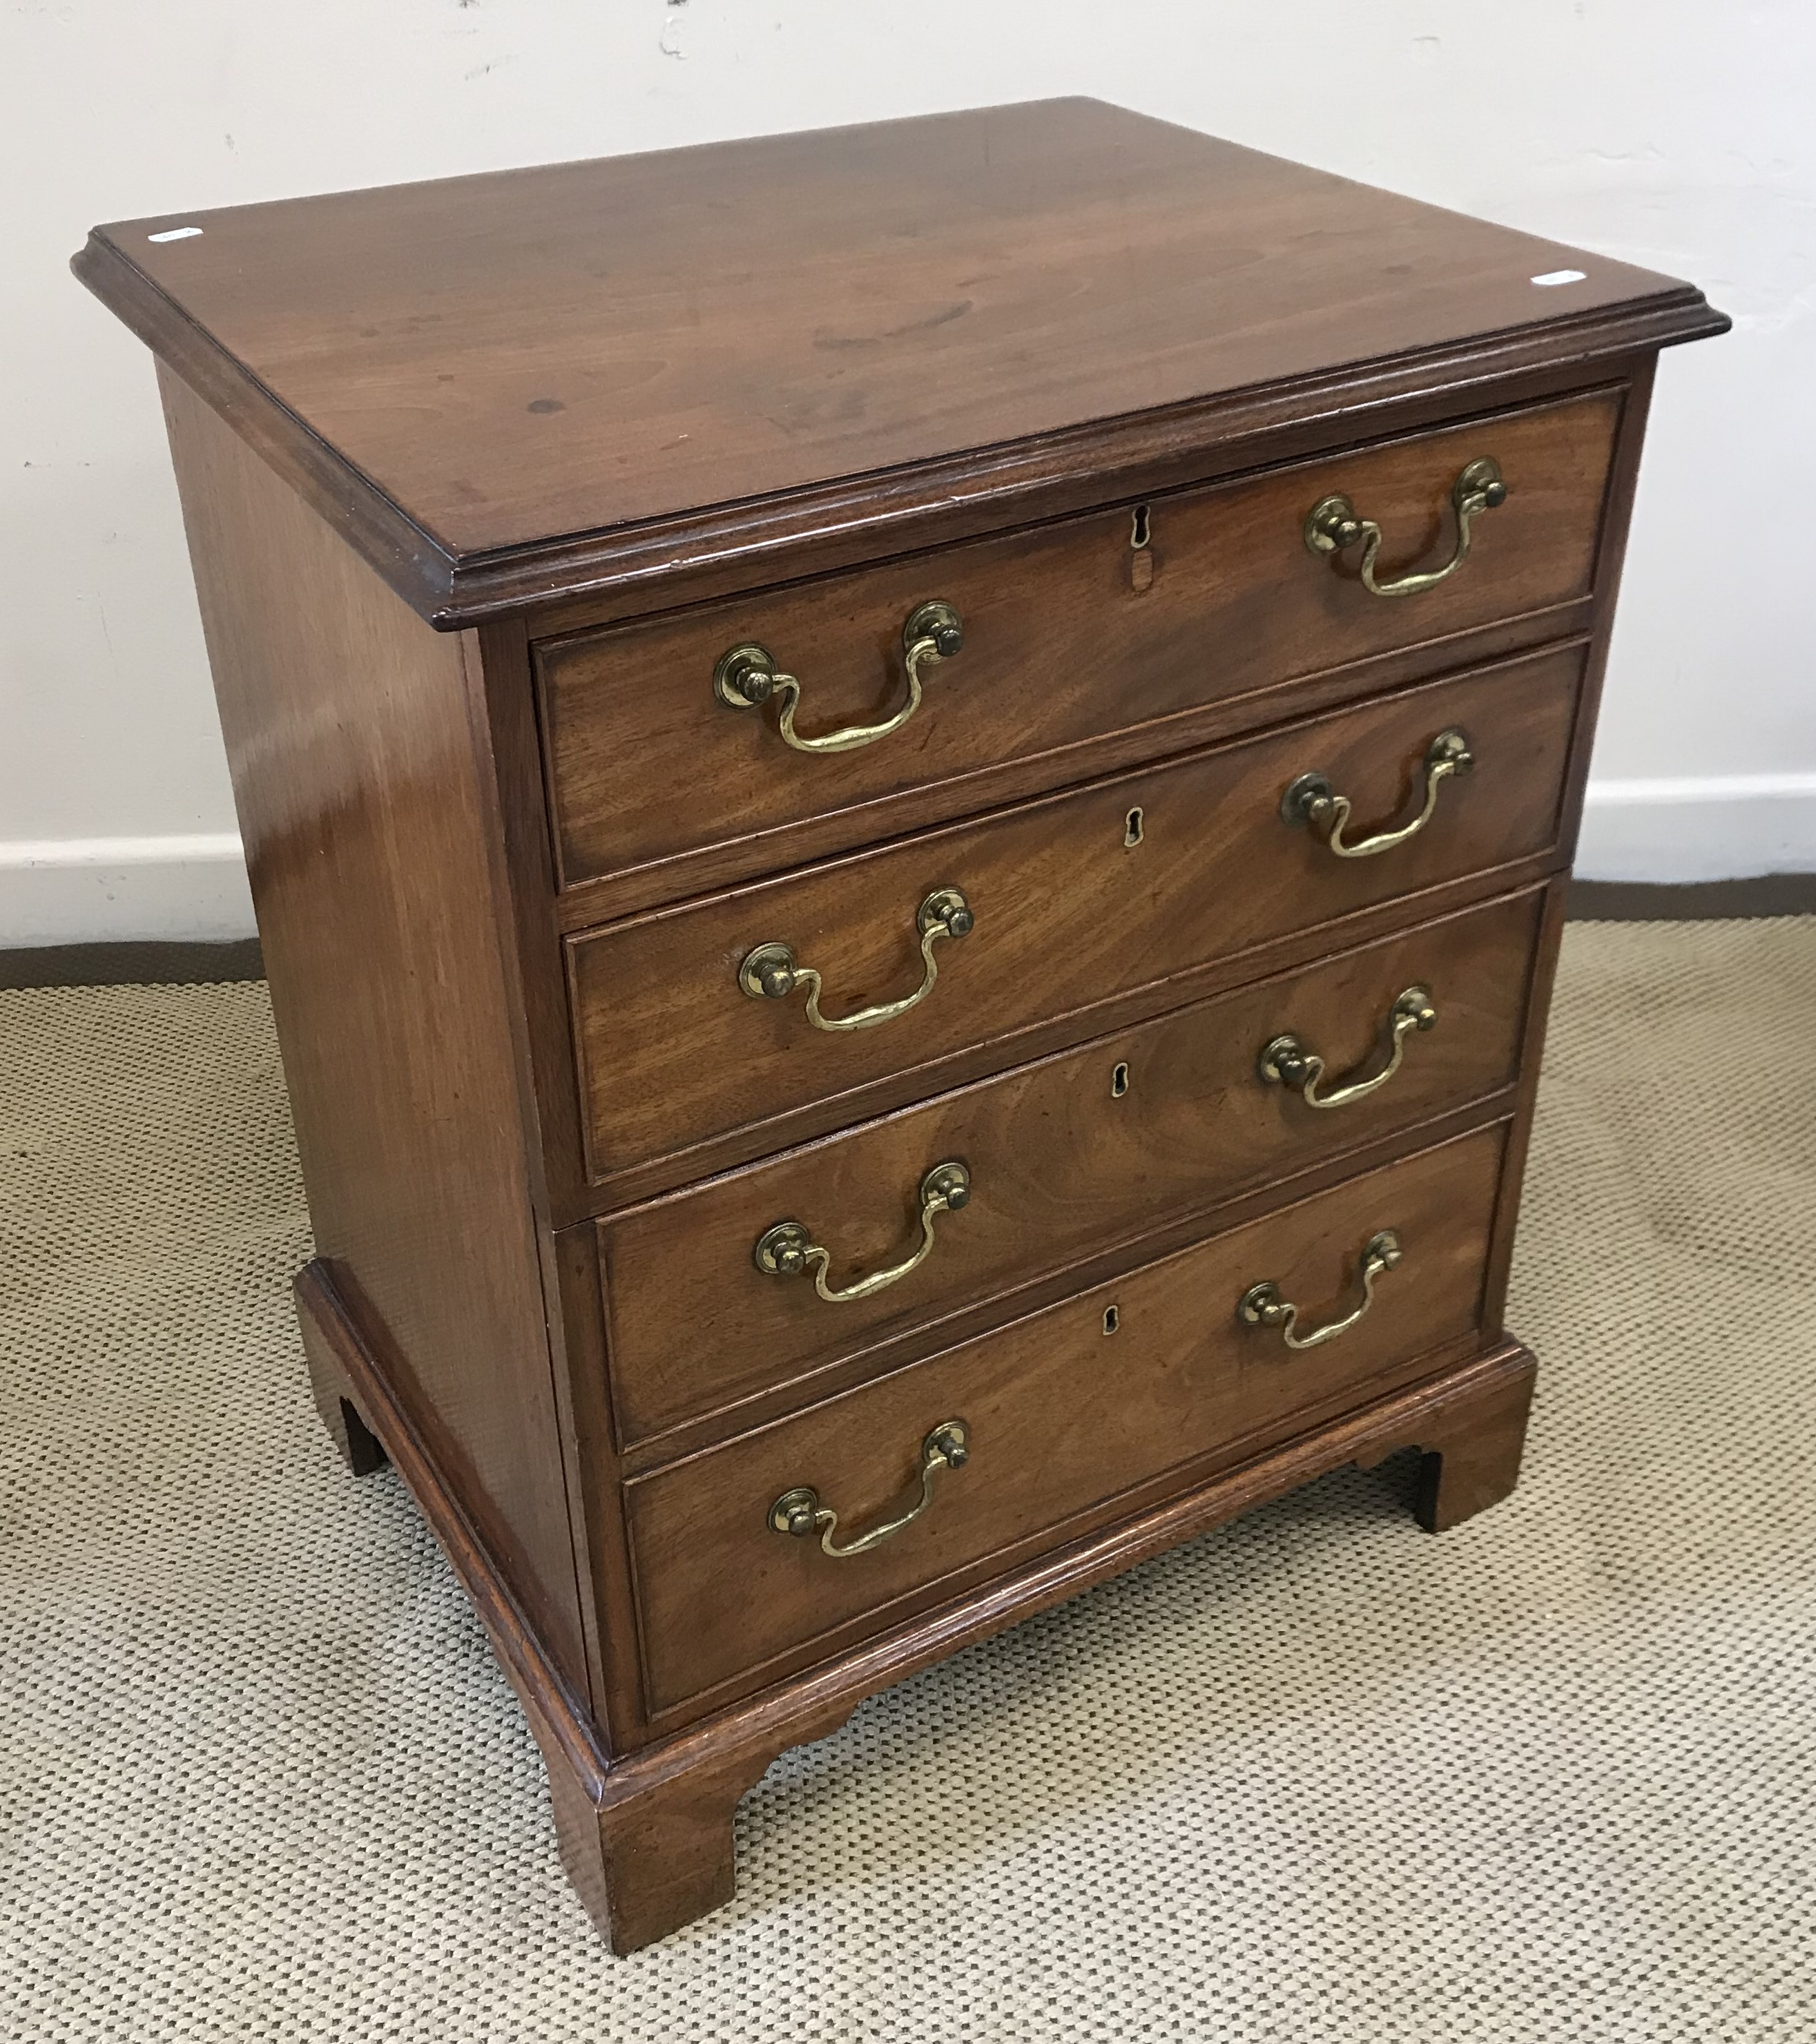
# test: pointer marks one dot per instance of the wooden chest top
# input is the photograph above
(508, 387)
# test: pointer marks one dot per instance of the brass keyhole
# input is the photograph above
(1118, 1081)
(1141, 561)
(1112, 1320)
(1132, 827)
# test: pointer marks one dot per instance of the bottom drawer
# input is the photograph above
(1064, 1414)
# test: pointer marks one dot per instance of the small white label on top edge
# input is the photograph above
(175, 234)
(1563, 277)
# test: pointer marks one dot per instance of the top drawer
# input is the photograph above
(1071, 634)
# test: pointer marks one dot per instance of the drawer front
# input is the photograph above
(1065, 1422)
(1069, 912)
(1066, 1159)
(1070, 634)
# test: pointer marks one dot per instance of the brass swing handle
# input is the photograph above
(1261, 1305)
(1286, 1061)
(800, 1512)
(746, 678)
(787, 1250)
(1332, 528)
(1312, 801)
(772, 972)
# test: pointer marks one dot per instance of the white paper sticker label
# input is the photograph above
(176, 234)
(1550, 277)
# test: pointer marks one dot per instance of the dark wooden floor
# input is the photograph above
(131, 964)
(1637, 901)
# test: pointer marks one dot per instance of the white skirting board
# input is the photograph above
(113, 890)
(1709, 827)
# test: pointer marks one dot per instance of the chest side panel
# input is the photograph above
(347, 731)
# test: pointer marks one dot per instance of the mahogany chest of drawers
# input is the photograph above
(907, 791)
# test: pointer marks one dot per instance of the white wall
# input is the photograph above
(1676, 135)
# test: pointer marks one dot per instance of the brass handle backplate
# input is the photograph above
(1263, 1305)
(746, 678)
(1286, 1061)
(800, 1512)
(787, 1250)
(1332, 527)
(772, 972)
(1313, 802)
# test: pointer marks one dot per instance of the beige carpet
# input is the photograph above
(1316, 1777)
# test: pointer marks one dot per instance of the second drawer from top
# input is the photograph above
(760, 1016)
